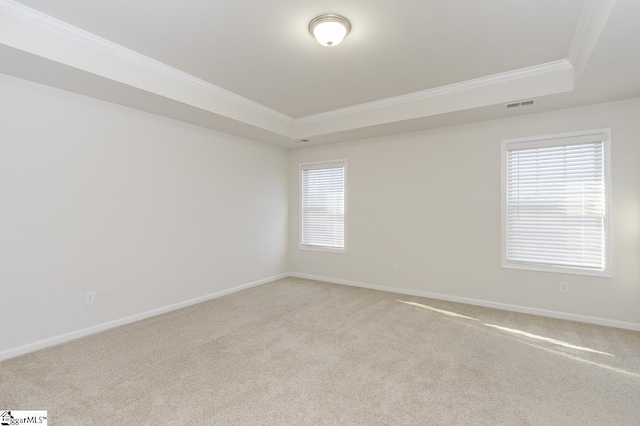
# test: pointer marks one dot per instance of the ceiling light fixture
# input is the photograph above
(329, 29)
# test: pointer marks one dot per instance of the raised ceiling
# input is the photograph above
(250, 67)
(261, 50)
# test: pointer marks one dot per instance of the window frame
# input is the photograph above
(510, 264)
(302, 246)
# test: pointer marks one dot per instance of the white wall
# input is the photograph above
(430, 202)
(143, 210)
(148, 212)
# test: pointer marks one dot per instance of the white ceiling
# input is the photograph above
(250, 67)
(262, 50)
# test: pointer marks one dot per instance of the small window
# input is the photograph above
(322, 210)
(556, 203)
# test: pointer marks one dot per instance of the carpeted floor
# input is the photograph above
(303, 352)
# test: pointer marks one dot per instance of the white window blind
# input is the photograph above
(322, 205)
(556, 203)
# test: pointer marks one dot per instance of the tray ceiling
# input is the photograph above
(250, 67)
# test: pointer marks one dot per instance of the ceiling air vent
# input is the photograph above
(520, 103)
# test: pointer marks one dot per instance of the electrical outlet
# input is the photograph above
(564, 287)
(89, 297)
(394, 267)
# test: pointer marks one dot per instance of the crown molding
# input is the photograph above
(139, 71)
(579, 34)
(521, 73)
(48, 22)
(591, 23)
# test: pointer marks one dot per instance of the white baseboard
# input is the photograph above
(42, 344)
(477, 302)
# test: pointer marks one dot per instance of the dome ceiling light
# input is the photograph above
(329, 29)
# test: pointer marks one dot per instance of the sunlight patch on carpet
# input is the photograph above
(440, 311)
(508, 330)
(586, 361)
(547, 339)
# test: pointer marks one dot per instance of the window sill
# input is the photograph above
(557, 269)
(323, 249)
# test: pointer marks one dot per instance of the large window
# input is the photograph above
(556, 203)
(322, 214)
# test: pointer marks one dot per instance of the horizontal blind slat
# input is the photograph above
(322, 205)
(555, 204)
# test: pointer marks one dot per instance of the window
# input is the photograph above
(322, 214)
(556, 203)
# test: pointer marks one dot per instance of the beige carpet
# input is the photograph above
(302, 352)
